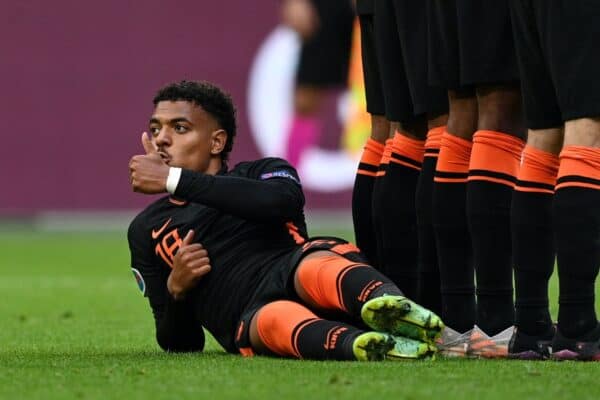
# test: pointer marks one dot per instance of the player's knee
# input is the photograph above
(269, 317)
(380, 128)
(273, 327)
(548, 140)
(415, 127)
(462, 119)
(583, 132)
(500, 109)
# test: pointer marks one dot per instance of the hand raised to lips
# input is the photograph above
(148, 172)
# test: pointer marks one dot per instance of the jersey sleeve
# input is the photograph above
(176, 328)
(261, 190)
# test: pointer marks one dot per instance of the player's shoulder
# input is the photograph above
(266, 168)
(262, 163)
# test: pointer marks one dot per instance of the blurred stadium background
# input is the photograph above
(78, 79)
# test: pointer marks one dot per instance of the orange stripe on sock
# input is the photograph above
(404, 163)
(579, 167)
(407, 147)
(365, 172)
(278, 324)
(433, 142)
(385, 158)
(538, 171)
(372, 152)
(406, 151)
(562, 185)
(501, 181)
(387, 152)
(320, 278)
(453, 160)
(450, 180)
(495, 157)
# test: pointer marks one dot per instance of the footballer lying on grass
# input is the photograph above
(266, 288)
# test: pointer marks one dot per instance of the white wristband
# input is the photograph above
(173, 179)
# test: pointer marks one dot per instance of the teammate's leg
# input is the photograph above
(429, 112)
(488, 62)
(577, 198)
(577, 222)
(531, 210)
(533, 243)
(495, 158)
(450, 178)
(449, 212)
(394, 201)
(429, 273)
(549, 100)
(362, 194)
(399, 226)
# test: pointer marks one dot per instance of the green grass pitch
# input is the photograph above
(73, 325)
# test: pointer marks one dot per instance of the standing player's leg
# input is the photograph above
(362, 193)
(577, 199)
(495, 159)
(533, 241)
(449, 212)
(429, 293)
(393, 202)
(489, 63)
(451, 171)
(429, 115)
(364, 183)
(577, 222)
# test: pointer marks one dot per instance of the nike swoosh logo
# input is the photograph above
(155, 234)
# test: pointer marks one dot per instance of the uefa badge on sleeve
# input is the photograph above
(140, 280)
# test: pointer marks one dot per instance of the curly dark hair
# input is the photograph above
(211, 98)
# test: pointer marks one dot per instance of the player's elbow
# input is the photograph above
(285, 202)
(287, 206)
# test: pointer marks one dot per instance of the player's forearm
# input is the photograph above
(177, 331)
(247, 198)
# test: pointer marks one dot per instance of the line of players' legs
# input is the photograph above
(484, 158)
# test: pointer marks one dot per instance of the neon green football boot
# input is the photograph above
(372, 346)
(402, 317)
(406, 348)
(378, 346)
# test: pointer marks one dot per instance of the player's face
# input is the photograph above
(183, 134)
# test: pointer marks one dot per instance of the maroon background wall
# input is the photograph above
(77, 79)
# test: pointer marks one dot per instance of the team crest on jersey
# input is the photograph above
(140, 280)
(279, 174)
